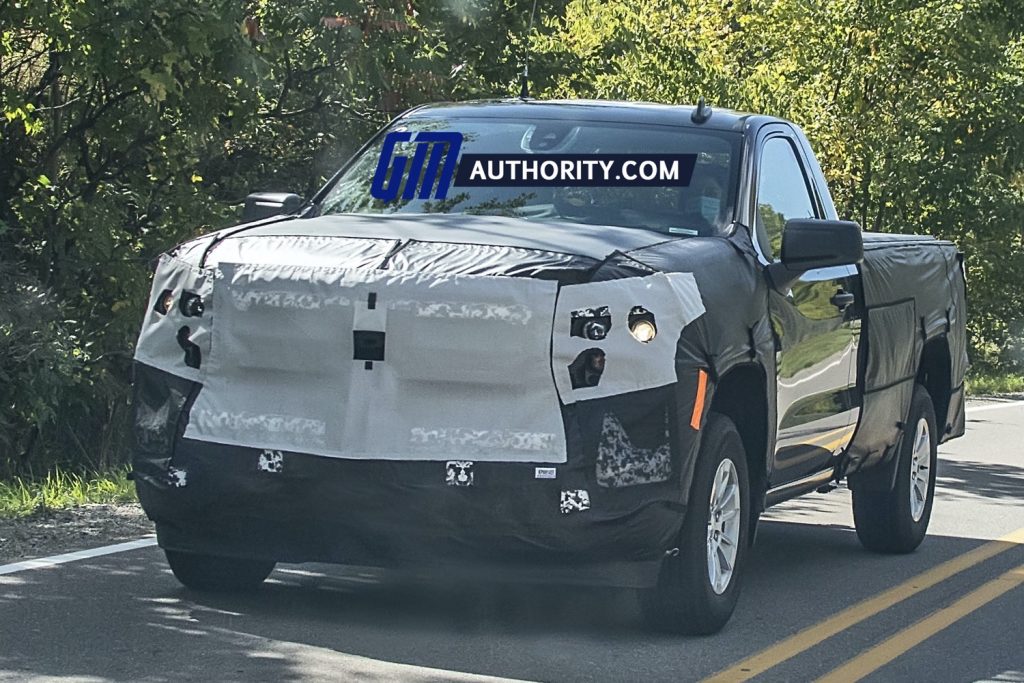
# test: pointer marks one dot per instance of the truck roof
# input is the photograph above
(594, 110)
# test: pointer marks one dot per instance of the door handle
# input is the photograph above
(841, 299)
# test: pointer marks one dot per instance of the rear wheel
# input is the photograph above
(896, 521)
(698, 589)
(213, 573)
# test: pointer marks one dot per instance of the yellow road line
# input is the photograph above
(828, 440)
(888, 650)
(832, 432)
(841, 441)
(823, 630)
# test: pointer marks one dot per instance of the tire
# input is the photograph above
(217, 574)
(685, 601)
(896, 521)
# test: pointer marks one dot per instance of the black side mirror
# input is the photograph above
(266, 204)
(809, 243)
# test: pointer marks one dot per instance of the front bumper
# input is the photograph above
(217, 499)
(235, 500)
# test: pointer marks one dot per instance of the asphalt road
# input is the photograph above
(815, 605)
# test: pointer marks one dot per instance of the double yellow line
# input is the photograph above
(835, 438)
(889, 649)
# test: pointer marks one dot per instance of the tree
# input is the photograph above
(916, 109)
(130, 126)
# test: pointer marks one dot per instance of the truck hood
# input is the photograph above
(468, 244)
(389, 230)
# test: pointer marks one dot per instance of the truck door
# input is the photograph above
(815, 323)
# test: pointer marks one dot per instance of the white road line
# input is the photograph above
(54, 560)
(993, 406)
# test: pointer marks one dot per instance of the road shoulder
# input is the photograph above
(50, 532)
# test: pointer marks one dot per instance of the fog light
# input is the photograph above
(641, 325)
(586, 370)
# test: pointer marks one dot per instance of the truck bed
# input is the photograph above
(914, 301)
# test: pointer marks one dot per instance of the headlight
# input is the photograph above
(641, 324)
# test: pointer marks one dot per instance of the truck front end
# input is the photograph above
(498, 377)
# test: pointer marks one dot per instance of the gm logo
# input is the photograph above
(439, 150)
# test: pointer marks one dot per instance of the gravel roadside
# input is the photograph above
(52, 532)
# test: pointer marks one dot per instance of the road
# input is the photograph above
(815, 605)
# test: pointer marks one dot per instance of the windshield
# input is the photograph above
(703, 206)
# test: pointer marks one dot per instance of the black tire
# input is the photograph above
(884, 518)
(684, 601)
(217, 574)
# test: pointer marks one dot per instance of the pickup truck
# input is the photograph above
(601, 384)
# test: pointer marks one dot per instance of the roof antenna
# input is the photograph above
(524, 83)
(702, 113)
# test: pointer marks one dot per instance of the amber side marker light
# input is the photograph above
(698, 403)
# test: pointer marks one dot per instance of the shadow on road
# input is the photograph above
(990, 480)
(126, 618)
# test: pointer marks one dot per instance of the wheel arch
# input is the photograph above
(934, 373)
(741, 394)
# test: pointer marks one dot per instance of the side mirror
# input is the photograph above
(809, 243)
(266, 204)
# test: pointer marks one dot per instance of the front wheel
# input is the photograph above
(896, 520)
(698, 589)
(220, 574)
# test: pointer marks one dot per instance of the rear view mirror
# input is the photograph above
(266, 204)
(809, 243)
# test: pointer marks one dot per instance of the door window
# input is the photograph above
(781, 193)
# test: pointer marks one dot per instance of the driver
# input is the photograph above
(701, 202)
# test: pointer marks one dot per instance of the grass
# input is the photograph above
(986, 382)
(62, 489)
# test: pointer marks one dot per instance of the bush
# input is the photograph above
(40, 360)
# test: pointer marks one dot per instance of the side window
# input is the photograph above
(781, 192)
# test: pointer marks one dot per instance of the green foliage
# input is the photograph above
(39, 359)
(130, 126)
(63, 489)
(989, 383)
(127, 127)
(915, 108)
(109, 107)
